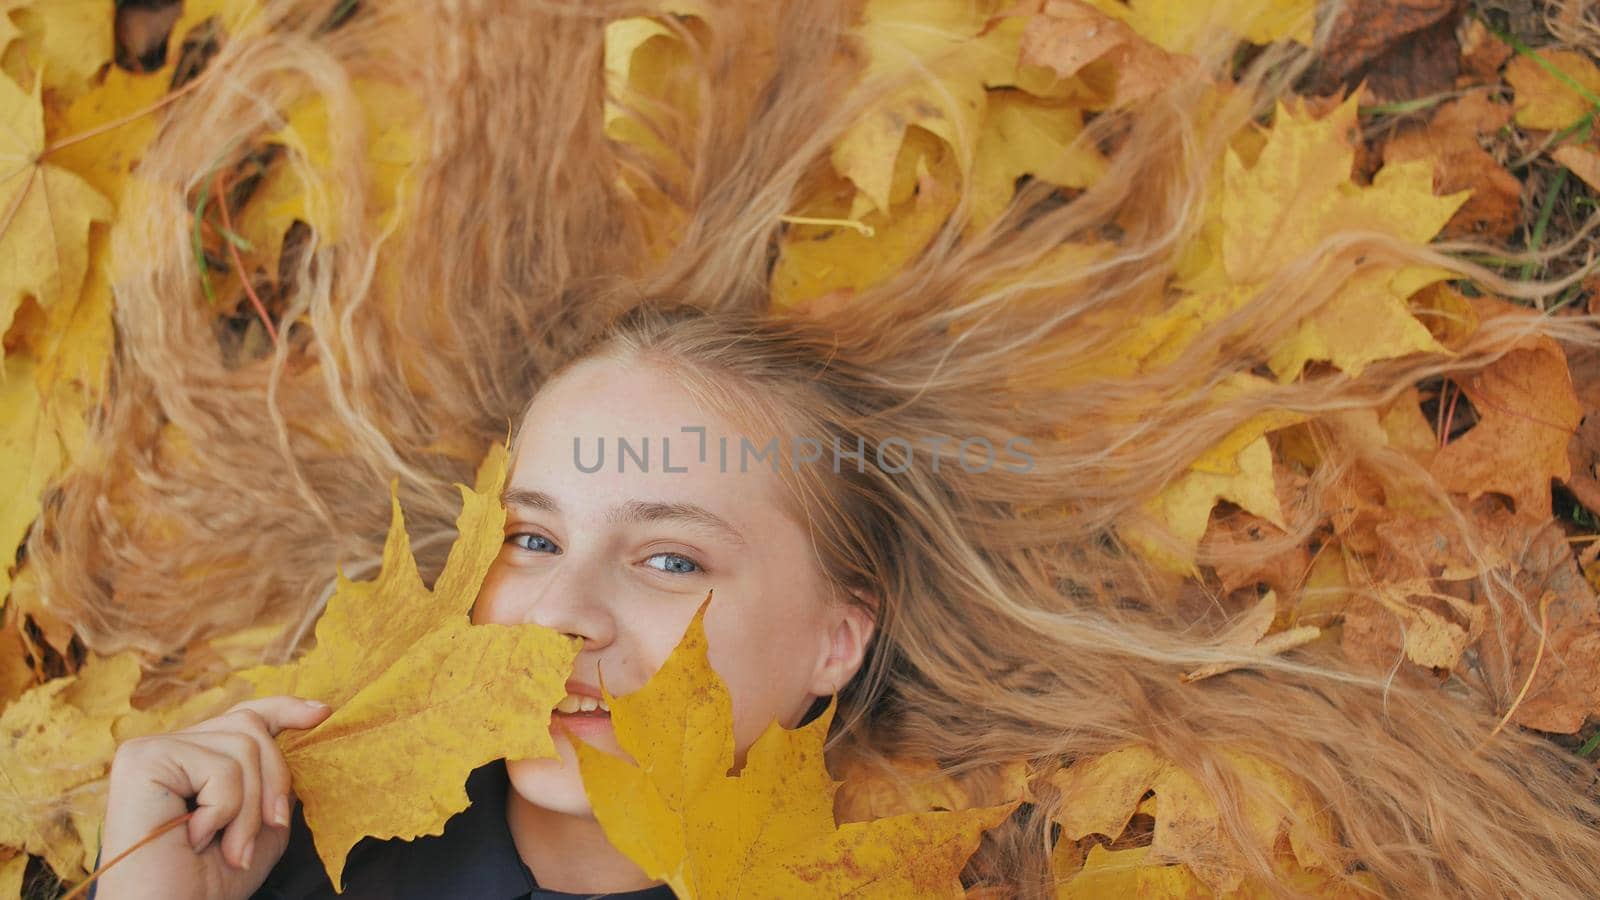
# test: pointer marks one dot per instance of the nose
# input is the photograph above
(567, 597)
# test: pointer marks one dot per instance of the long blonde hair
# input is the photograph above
(1014, 624)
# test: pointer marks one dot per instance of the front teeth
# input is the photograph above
(572, 703)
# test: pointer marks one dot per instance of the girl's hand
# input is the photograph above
(232, 768)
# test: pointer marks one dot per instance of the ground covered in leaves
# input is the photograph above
(1428, 120)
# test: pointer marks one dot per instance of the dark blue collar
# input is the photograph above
(477, 857)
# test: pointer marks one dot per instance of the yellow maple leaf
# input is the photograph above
(768, 831)
(1183, 508)
(1278, 204)
(937, 45)
(38, 435)
(421, 695)
(1294, 196)
(1023, 135)
(1183, 26)
(646, 64)
(102, 134)
(67, 40)
(47, 211)
(815, 260)
(392, 150)
(56, 743)
(1101, 795)
(1549, 101)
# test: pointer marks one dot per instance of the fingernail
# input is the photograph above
(249, 851)
(280, 812)
(316, 704)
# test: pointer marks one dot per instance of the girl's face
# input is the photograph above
(622, 559)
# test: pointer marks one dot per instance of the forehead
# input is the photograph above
(637, 418)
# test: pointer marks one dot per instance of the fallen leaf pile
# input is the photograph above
(1424, 127)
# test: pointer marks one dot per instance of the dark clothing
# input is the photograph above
(474, 859)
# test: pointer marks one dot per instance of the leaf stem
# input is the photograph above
(114, 124)
(160, 830)
(866, 230)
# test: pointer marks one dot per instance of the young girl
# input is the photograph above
(969, 606)
(621, 556)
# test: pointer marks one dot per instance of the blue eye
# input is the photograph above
(680, 560)
(677, 564)
(516, 541)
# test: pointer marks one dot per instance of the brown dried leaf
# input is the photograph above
(1529, 413)
(1566, 687)
(1249, 633)
(1070, 38)
(1482, 54)
(1369, 31)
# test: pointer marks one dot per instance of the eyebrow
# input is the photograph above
(632, 511)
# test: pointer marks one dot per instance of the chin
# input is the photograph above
(553, 784)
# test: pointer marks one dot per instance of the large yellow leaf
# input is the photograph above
(768, 831)
(45, 212)
(1296, 195)
(421, 696)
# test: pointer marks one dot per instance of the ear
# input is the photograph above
(850, 631)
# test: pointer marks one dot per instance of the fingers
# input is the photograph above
(258, 790)
(224, 774)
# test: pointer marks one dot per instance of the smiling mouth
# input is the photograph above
(577, 704)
